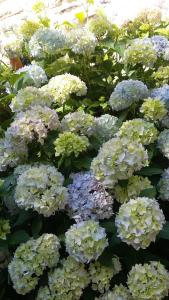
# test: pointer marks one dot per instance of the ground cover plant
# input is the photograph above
(84, 160)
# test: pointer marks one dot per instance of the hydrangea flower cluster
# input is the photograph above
(164, 186)
(4, 228)
(119, 292)
(136, 184)
(35, 73)
(61, 87)
(126, 93)
(138, 130)
(88, 198)
(139, 221)
(82, 41)
(140, 52)
(160, 43)
(162, 93)
(28, 97)
(161, 75)
(165, 121)
(78, 122)
(101, 275)
(148, 281)
(66, 282)
(163, 142)
(31, 259)
(33, 123)
(118, 159)
(12, 45)
(69, 143)
(46, 41)
(86, 241)
(41, 189)
(101, 26)
(105, 127)
(153, 109)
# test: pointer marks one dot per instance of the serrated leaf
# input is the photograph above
(150, 193)
(149, 171)
(18, 237)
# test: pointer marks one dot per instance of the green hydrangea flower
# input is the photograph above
(86, 241)
(101, 275)
(65, 282)
(31, 259)
(148, 281)
(153, 109)
(119, 292)
(136, 184)
(138, 130)
(101, 26)
(4, 228)
(139, 221)
(161, 76)
(118, 159)
(69, 143)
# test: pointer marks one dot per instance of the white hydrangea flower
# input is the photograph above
(163, 142)
(119, 292)
(36, 74)
(118, 159)
(164, 186)
(41, 189)
(31, 259)
(46, 41)
(88, 198)
(33, 123)
(105, 127)
(136, 184)
(139, 221)
(29, 97)
(126, 93)
(62, 86)
(138, 130)
(101, 275)
(78, 122)
(82, 41)
(148, 281)
(86, 241)
(66, 282)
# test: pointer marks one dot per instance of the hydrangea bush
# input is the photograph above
(84, 159)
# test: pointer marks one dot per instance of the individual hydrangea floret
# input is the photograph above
(66, 282)
(61, 87)
(148, 281)
(118, 159)
(138, 130)
(31, 259)
(4, 228)
(126, 93)
(139, 221)
(78, 122)
(153, 109)
(82, 41)
(41, 189)
(36, 73)
(160, 43)
(162, 93)
(86, 241)
(161, 76)
(88, 198)
(119, 292)
(163, 142)
(69, 143)
(164, 186)
(105, 127)
(46, 41)
(101, 275)
(136, 184)
(140, 52)
(29, 97)
(33, 123)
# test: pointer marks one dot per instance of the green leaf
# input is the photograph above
(164, 233)
(150, 193)
(18, 237)
(80, 16)
(109, 226)
(36, 226)
(23, 217)
(149, 171)
(90, 1)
